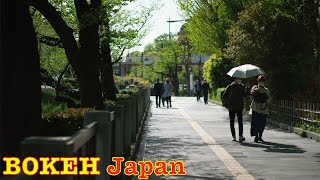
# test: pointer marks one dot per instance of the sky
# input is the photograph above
(159, 24)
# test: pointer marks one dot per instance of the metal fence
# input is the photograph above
(292, 112)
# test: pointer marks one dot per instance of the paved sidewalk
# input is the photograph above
(199, 135)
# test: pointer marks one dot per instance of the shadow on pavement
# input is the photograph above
(275, 147)
(317, 155)
(165, 107)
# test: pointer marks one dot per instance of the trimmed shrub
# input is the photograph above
(215, 71)
(110, 105)
(183, 92)
(64, 123)
(215, 94)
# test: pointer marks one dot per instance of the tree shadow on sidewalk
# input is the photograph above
(317, 155)
(275, 147)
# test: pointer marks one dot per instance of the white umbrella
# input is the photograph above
(245, 71)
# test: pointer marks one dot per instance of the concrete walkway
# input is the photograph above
(199, 135)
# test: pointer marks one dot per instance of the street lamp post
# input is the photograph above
(171, 21)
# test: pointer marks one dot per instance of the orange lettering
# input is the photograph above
(115, 170)
(144, 172)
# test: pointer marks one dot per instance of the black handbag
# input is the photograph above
(260, 97)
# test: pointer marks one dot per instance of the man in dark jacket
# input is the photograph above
(198, 89)
(158, 92)
(205, 91)
(235, 93)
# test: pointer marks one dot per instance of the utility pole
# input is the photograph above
(142, 63)
(176, 72)
(171, 21)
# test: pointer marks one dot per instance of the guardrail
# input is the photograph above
(105, 135)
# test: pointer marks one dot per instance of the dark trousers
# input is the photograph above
(232, 116)
(258, 124)
(205, 97)
(198, 95)
(158, 100)
(168, 100)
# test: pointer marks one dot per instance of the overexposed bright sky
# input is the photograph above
(159, 24)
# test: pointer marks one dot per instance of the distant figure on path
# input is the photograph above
(168, 89)
(205, 91)
(235, 93)
(259, 106)
(158, 92)
(163, 98)
(197, 88)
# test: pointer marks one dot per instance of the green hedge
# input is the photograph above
(183, 92)
(64, 123)
(215, 94)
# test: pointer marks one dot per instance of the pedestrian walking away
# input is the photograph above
(235, 93)
(158, 92)
(259, 107)
(168, 89)
(205, 91)
(197, 88)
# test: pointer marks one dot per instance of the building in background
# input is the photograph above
(124, 68)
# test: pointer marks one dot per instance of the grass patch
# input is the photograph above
(49, 104)
(312, 126)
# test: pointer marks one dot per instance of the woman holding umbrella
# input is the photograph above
(259, 106)
(235, 93)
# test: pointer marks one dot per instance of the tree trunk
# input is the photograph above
(107, 81)
(187, 66)
(176, 79)
(58, 85)
(84, 60)
(20, 90)
(89, 56)
(90, 88)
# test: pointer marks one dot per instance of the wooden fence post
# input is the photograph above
(133, 118)
(119, 131)
(104, 139)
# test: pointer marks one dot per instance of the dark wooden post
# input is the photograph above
(20, 90)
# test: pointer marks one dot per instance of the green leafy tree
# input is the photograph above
(215, 70)
(184, 43)
(88, 40)
(273, 39)
(168, 55)
(208, 20)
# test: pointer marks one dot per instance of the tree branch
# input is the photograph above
(119, 57)
(169, 75)
(165, 74)
(61, 75)
(50, 41)
(64, 32)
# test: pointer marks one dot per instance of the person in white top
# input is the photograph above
(259, 106)
(168, 89)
